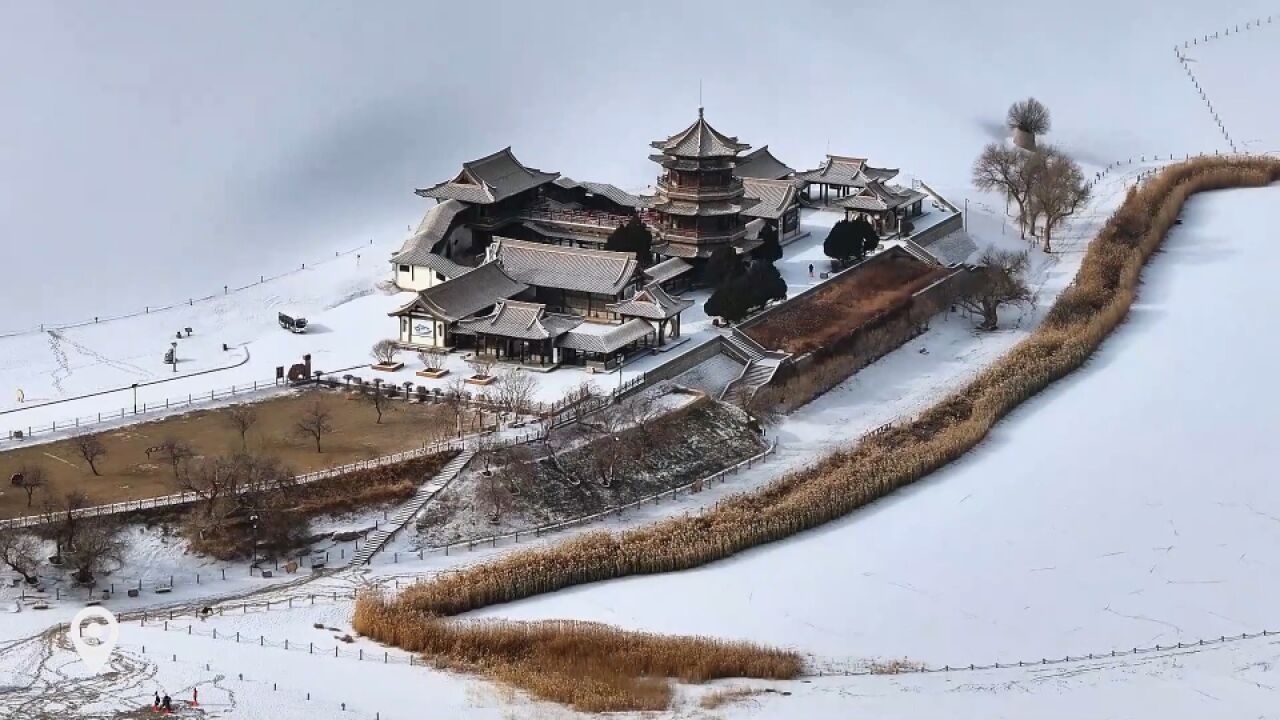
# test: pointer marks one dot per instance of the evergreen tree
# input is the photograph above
(764, 283)
(868, 238)
(632, 236)
(731, 300)
(769, 250)
(842, 243)
(723, 265)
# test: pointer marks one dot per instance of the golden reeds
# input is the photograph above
(1087, 312)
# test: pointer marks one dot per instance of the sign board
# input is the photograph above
(424, 329)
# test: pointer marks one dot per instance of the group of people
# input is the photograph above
(165, 704)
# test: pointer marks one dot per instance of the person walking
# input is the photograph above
(166, 704)
(810, 271)
(155, 707)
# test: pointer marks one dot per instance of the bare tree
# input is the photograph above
(385, 351)
(494, 494)
(316, 422)
(455, 398)
(60, 518)
(1009, 170)
(241, 418)
(433, 358)
(481, 366)
(378, 400)
(91, 449)
(179, 454)
(514, 391)
(20, 551)
(1000, 281)
(98, 547)
(29, 479)
(1058, 191)
(1028, 118)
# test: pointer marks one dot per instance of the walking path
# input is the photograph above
(410, 509)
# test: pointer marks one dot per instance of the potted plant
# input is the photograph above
(433, 363)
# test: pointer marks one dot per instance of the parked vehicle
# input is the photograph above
(293, 324)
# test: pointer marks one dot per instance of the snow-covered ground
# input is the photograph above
(1132, 504)
(1009, 553)
(347, 314)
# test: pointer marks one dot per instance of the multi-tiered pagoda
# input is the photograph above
(698, 198)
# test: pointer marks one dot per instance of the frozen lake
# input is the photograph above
(1132, 504)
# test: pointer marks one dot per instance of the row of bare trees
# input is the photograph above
(1046, 185)
(87, 546)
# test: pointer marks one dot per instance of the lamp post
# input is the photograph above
(135, 398)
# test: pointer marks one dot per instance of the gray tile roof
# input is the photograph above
(652, 303)
(437, 263)
(613, 193)
(700, 140)
(464, 295)
(489, 179)
(561, 233)
(877, 196)
(613, 339)
(433, 228)
(762, 164)
(846, 171)
(566, 268)
(520, 320)
(690, 209)
(951, 249)
(773, 197)
(667, 269)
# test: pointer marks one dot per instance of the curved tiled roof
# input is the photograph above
(489, 179)
(773, 197)
(762, 164)
(566, 268)
(464, 295)
(520, 320)
(652, 303)
(667, 269)
(700, 140)
(846, 171)
(610, 338)
(613, 193)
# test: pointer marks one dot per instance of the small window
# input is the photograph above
(404, 268)
(440, 276)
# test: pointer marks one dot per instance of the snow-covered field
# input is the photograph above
(1127, 506)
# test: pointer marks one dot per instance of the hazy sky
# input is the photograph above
(152, 150)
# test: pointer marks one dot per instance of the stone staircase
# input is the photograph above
(761, 366)
(374, 541)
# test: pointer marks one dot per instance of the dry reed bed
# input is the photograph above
(1082, 317)
(588, 666)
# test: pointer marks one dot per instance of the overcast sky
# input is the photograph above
(151, 150)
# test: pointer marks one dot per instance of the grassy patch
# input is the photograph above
(856, 297)
(129, 474)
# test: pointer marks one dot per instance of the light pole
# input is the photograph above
(135, 398)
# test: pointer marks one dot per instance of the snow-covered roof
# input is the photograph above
(490, 179)
(594, 337)
(520, 320)
(700, 140)
(951, 249)
(772, 198)
(419, 249)
(652, 303)
(668, 269)
(613, 193)
(761, 164)
(464, 295)
(846, 171)
(566, 268)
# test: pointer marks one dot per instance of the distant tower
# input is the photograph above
(697, 198)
